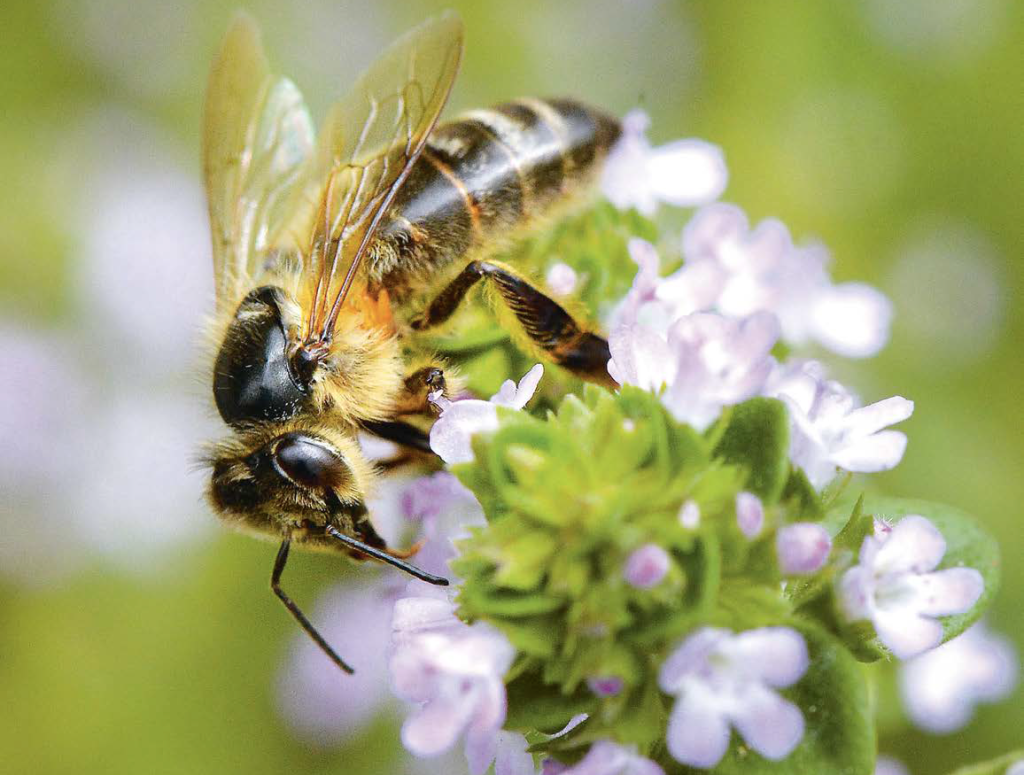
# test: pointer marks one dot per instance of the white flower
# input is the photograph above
(561, 279)
(941, 687)
(608, 758)
(451, 434)
(704, 362)
(896, 587)
(764, 271)
(456, 672)
(721, 679)
(657, 301)
(684, 173)
(829, 431)
(318, 701)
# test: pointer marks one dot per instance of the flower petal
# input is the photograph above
(771, 725)
(904, 633)
(776, 655)
(451, 433)
(698, 733)
(433, 729)
(528, 386)
(948, 592)
(691, 656)
(481, 748)
(852, 319)
(687, 173)
(879, 452)
(914, 545)
(511, 757)
(881, 414)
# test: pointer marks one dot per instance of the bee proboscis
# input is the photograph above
(325, 251)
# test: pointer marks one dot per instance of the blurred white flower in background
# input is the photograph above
(944, 33)
(43, 398)
(319, 702)
(100, 411)
(953, 292)
(941, 688)
(144, 269)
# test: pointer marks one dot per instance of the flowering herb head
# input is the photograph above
(669, 576)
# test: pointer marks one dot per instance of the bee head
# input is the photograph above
(255, 376)
(268, 478)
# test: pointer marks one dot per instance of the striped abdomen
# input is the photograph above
(484, 176)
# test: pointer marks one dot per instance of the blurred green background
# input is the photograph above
(135, 636)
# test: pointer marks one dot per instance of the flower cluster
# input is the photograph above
(670, 574)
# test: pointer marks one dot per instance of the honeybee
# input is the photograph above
(325, 252)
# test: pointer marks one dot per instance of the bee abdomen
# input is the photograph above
(487, 174)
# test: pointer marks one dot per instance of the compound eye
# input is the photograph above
(308, 462)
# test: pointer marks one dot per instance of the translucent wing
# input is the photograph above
(367, 147)
(256, 136)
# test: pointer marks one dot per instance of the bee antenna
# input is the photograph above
(383, 556)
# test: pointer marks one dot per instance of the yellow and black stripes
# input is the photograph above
(481, 178)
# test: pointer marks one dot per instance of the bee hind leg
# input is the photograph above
(547, 324)
(295, 611)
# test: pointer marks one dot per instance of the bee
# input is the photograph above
(327, 253)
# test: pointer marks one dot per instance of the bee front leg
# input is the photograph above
(546, 323)
(294, 610)
(419, 386)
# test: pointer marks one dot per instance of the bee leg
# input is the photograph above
(293, 609)
(401, 433)
(544, 320)
(419, 385)
(384, 556)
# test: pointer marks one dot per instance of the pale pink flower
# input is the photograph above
(684, 173)
(803, 548)
(455, 672)
(896, 587)
(722, 680)
(704, 363)
(452, 431)
(646, 566)
(830, 431)
(749, 514)
(765, 271)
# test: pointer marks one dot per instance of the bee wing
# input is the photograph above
(368, 145)
(257, 136)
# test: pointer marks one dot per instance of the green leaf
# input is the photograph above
(533, 704)
(999, 766)
(757, 438)
(839, 737)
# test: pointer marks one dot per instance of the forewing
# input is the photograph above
(369, 142)
(256, 136)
